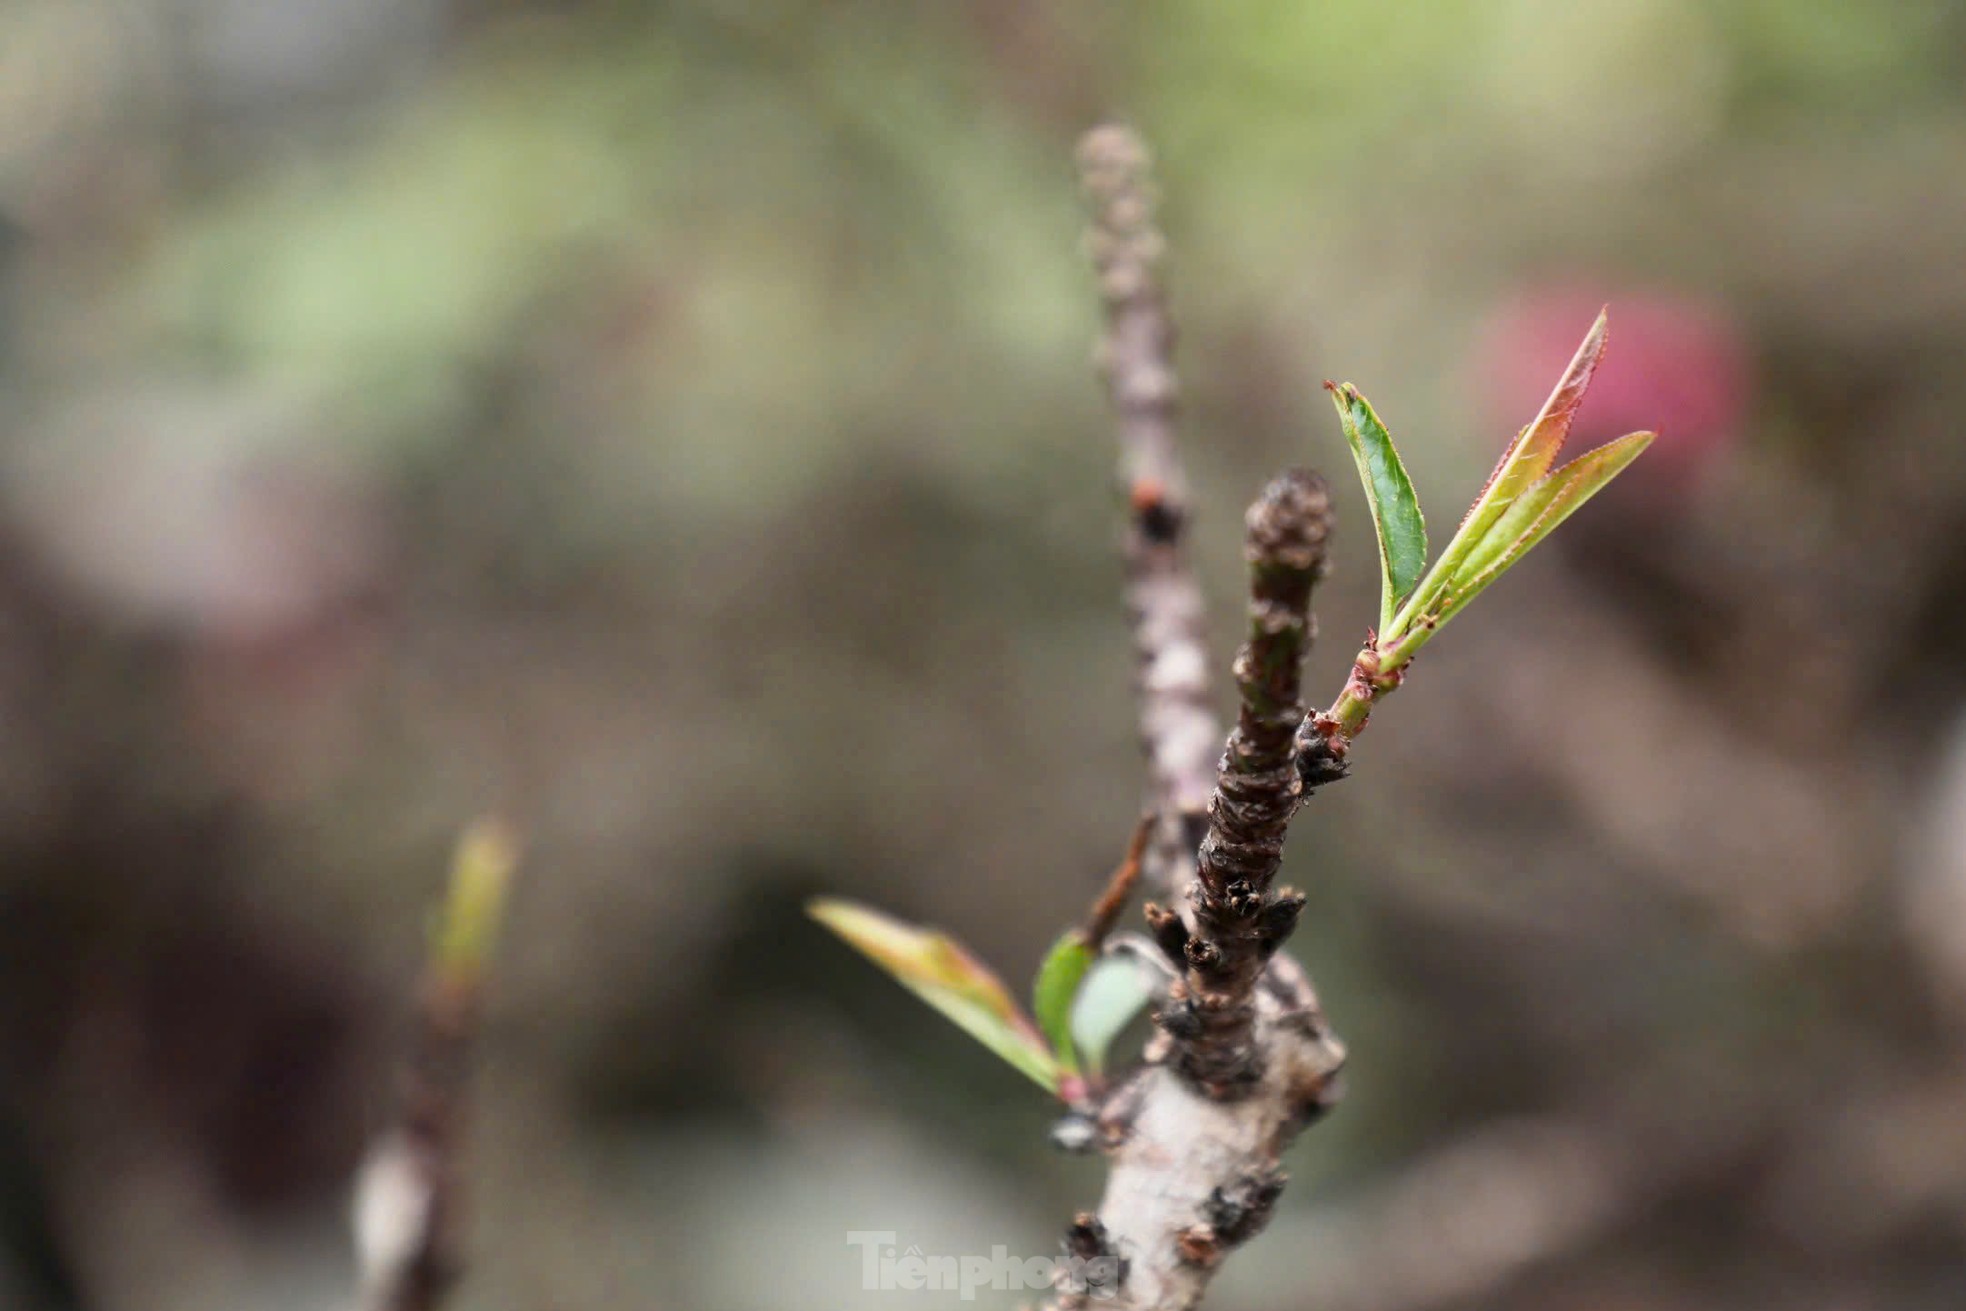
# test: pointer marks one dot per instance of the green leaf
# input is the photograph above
(1534, 515)
(1524, 463)
(1395, 509)
(1057, 984)
(481, 876)
(1114, 991)
(935, 968)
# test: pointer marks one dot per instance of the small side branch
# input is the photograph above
(1105, 912)
(1179, 732)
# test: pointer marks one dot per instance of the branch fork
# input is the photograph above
(1242, 1060)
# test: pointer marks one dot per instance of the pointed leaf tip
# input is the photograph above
(1396, 517)
(937, 969)
(486, 858)
(1526, 460)
(1535, 515)
(1535, 449)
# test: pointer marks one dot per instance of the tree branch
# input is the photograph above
(1178, 730)
(1244, 1060)
(1239, 922)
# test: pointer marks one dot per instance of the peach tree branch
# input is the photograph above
(1242, 1059)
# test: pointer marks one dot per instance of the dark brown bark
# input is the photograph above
(1245, 1061)
(1239, 919)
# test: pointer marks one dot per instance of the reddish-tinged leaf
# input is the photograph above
(1534, 515)
(1526, 461)
(1536, 447)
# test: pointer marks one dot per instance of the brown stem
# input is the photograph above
(1194, 1170)
(1105, 912)
(1239, 921)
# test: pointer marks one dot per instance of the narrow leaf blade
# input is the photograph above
(1536, 447)
(1057, 985)
(1116, 990)
(1527, 458)
(1389, 492)
(1535, 515)
(481, 877)
(935, 968)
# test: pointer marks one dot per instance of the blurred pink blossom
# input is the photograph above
(1675, 364)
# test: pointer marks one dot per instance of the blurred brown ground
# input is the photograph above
(671, 424)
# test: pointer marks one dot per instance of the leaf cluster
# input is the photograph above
(1079, 1004)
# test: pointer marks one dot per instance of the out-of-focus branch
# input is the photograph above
(1178, 731)
(1244, 1060)
(408, 1200)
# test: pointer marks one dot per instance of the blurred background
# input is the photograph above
(671, 425)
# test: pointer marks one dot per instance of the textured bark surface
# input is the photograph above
(1194, 1176)
(1244, 1059)
(1239, 920)
(1178, 730)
